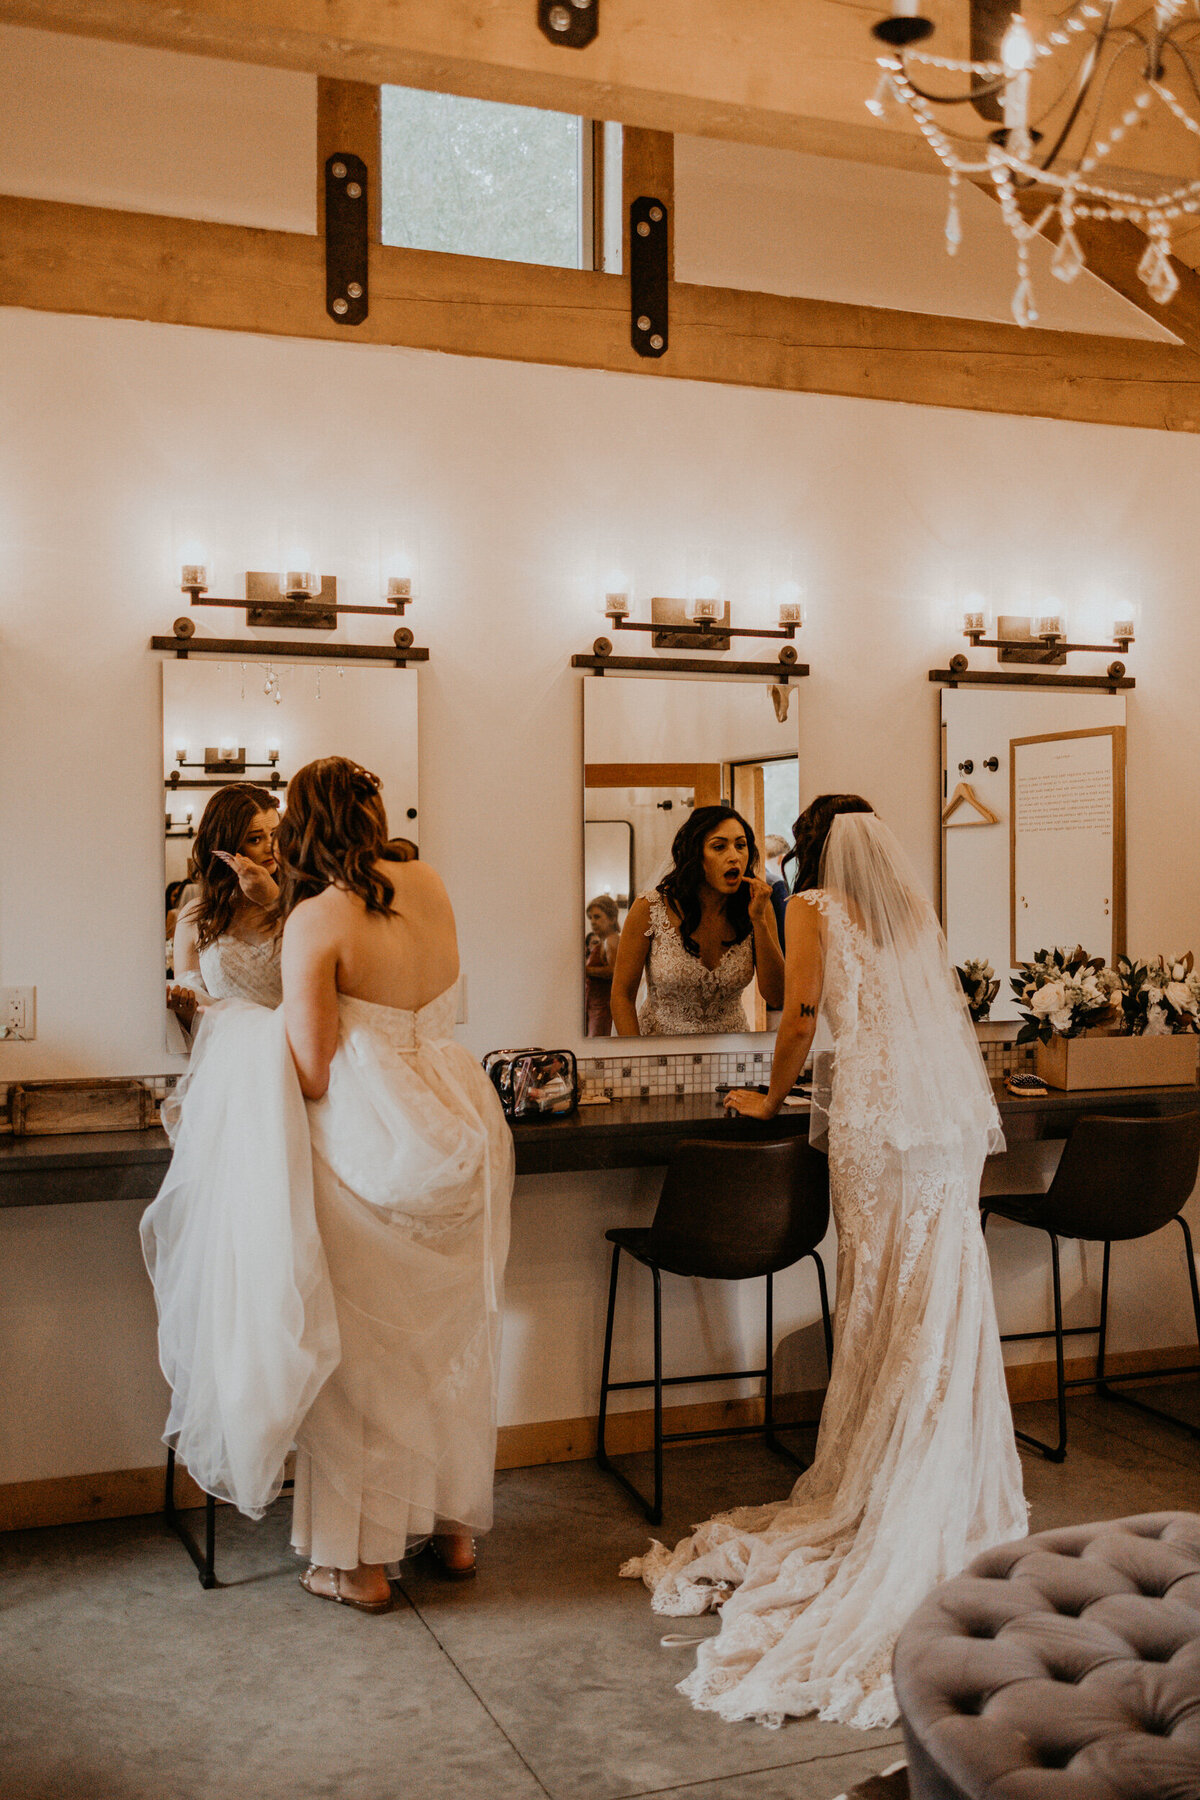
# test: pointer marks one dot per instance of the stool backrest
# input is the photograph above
(732, 1210)
(1122, 1178)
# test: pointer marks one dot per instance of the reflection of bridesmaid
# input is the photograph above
(701, 937)
(226, 940)
(603, 939)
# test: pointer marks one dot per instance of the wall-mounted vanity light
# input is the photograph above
(701, 622)
(1038, 641)
(224, 763)
(294, 597)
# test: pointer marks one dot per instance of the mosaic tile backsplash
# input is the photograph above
(700, 1072)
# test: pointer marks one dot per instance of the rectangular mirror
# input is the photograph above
(1033, 852)
(259, 722)
(654, 751)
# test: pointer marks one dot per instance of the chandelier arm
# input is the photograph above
(1085, 82)
(979, 93)
(1187, 68)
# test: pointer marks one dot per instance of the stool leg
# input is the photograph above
(206, 1562)
(601, 1452)
(208, 1575)
(826, 1321)
(655, 1513)
(1157, 1412)
(773, 1443)
(1053, 1452)
(1102, 1340)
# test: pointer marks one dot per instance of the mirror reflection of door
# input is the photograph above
(766, 793)
(1043, 862)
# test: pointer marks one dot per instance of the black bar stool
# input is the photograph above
(206, 1559)
(1117, 1179)
(728, 1211)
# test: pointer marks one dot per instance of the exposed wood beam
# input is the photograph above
(77, 259)
(648, 167)
(1112, 249)
(348, 119)
(793, 73)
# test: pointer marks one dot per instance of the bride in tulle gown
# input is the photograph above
(916, 1470)
(328, 1247)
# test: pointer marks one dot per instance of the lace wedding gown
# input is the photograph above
(682, 995)
(329, 1275)
(916, 1470)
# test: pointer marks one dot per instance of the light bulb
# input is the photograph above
(181, 753)
(1050, 625)
(193, 576)
(789, 596)
(272, 752)
(1124, 630)
(616, 603)
(1018, 50)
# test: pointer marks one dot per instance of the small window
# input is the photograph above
(481, 179)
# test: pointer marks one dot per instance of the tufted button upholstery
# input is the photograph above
(1062, 1667)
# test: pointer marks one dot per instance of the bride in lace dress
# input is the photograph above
(328, 1247)
(700, 937)
(916, 1470)
(226, 943)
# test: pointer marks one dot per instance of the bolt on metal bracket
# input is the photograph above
(570, 22)
(648, 240)
(346, 238)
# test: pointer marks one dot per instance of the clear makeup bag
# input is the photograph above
(534, 1083)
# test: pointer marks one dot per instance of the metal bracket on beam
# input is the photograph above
(570, 22)
(346, 236)
(648, 242)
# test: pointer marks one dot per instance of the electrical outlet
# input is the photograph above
(18, 1014)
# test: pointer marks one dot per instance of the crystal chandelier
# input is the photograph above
(1091, 80)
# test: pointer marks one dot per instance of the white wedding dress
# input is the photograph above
(916, 1470)
(328, 1275)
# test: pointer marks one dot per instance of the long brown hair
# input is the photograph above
(333, 833)
(227, 818)
(811, 830)
(681, 884)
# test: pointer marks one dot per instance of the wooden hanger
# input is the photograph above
(965, 795)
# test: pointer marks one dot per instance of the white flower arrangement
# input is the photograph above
(977, 979)
(1160, 998)
(1064, 992)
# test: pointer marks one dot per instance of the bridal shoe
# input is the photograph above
(367, 1606)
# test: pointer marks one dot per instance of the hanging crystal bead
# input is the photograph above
(1024, 309)
(1156, 270)
(883, 102)
(953, 221)
(1068, 256)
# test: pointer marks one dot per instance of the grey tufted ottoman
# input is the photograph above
(1062, 1667)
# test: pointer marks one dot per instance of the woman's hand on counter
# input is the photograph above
(749, 1105)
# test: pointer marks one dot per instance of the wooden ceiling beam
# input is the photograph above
(794, 74)
(89, 260)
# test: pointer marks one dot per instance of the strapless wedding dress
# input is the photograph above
(329, 1275)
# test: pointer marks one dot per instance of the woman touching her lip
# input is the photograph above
(701, 936)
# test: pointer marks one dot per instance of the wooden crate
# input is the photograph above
(1117, 1062)
(53, 1108)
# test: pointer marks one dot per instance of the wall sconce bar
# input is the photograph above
(959, 675)
(603, 662)
(675, 627)
(184, 643)
(264, 605)
(703, 628)
(174, 782)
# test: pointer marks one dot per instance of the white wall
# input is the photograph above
(520, 477)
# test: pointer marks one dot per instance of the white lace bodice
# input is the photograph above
(235, 969)
(682, 995)
(401, 1028)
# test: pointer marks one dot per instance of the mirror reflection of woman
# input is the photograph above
(227, 940)
(603, 941)
(700, 937)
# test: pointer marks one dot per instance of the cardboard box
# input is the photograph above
(1101, 1061)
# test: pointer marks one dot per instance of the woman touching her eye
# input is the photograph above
(227, 940)
(701, 936)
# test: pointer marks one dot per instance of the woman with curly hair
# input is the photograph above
(700, 937)
(328, 1247)
(226, 942)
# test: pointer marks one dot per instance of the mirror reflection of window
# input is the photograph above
(233, 735)
(656, 754)
(1054, 874)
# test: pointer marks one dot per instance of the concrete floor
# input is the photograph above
(544, 1677)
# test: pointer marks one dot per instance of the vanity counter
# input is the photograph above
(129, 1165)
